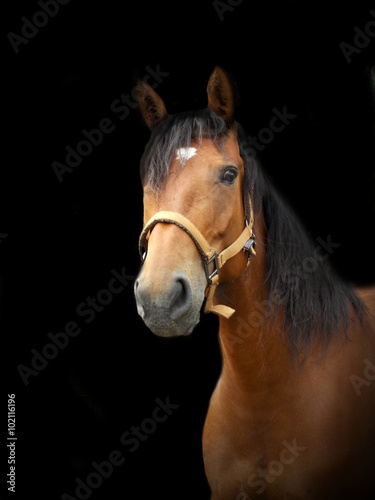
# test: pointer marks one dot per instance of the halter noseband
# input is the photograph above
(212, 260)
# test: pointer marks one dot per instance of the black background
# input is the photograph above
(64, 238)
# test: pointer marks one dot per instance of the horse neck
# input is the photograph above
(256, 356)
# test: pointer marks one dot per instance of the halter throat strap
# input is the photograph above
(212, 260)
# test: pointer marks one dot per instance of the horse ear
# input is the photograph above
(151, 104)
(220, 95)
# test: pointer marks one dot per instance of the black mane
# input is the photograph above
(316, 302)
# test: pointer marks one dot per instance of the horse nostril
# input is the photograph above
(181, 297)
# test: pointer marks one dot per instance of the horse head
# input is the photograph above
(194, 210)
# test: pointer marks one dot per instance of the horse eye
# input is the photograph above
(229, 175)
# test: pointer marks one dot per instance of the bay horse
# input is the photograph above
(293, 413)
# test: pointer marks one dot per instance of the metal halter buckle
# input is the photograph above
(206, 263)
(249, 246)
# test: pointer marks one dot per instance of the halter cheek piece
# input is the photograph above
(212, 261)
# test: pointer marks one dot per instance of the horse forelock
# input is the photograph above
(176, 133)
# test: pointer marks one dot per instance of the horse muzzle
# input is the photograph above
(170, 307)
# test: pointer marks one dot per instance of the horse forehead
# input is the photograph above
(208, 152)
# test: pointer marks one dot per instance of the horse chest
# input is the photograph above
(246, 456)
(254, 467)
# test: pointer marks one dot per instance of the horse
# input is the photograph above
(292, 415)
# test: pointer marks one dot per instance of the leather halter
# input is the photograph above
(212, 260)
